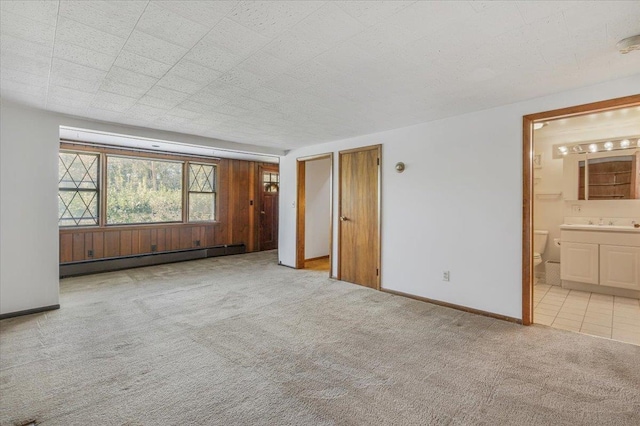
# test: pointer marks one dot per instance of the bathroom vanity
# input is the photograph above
(601, 259)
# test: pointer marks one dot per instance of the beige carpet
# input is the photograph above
(242, 341)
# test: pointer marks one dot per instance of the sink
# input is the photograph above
(608, 228)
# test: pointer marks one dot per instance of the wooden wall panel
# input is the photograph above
(161, 239)
(125, 243)
(135, 241)
(66, 247)
(78, 247)
(98, 245)
(112, 244)
(239, 194)
(88, 245)
(144, 245)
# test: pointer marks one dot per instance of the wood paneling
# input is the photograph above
(66, 247)
(78, 247)
(98, 245)
(112, 244)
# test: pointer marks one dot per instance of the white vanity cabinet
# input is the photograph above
(597, 258)
(579, 262)
(620, 266)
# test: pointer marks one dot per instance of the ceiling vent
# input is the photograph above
(629, 44)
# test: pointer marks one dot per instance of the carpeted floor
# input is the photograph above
(242, 341)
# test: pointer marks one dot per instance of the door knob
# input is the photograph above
(343, 218)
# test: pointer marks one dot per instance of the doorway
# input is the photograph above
(314, 210)
(531, 194)
(269, 188)
(359, 214)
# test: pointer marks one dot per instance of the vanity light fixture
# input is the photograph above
(594, 146)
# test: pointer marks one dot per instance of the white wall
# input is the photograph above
(317, 204)
(29, 142)
(458, 205)
(28, 209)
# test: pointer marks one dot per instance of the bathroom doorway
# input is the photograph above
(581, 200)
(314, 210)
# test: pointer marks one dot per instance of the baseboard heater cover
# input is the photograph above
(117, 263)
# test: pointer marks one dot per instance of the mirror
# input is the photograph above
(602, 176)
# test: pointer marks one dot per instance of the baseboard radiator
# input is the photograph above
(71, 269)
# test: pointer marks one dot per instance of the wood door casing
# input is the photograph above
(359, 218)
(268, 212)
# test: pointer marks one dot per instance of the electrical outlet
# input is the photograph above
(197, 243)
(89, 253)
(445, 275)
(154, 247)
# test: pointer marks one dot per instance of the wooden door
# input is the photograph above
(359, 214)
(269, 190)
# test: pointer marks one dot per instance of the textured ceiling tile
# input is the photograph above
(60, 93)
(146, 111)
(123, 89)
(60, 67)
(136, 63)
(166, 94)
(265, 94)
(210, 102)
(420, 19)
(345, 57)
(312, 72)
(26, 89)
(329, 24)
(169, 26)
(211, 56)
(112, 102)
(180, 84)
(73, 32)
(371, 12)
(246, 103)
(207, 13)
(233, 37)
(532, 11)
(221, 89)
(83, 56)
(164, 104)
(131, 78)
(24, 78)
(11, 44)
(286, 84)
(270, 18)
(116, 18)
(194, 72)
(63, 80)
(44, 12)
(265, 64)
(153, 48)
(38, 65)
(26, 29)
(295, 50)
(242, 79)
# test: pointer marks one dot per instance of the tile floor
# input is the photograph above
(613, 317)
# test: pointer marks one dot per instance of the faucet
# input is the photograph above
(601, 222)
(590, 222)
(611, 223)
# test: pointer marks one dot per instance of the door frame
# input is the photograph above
(378, 210)
(262, 167)
(301, 163)
(527, 183)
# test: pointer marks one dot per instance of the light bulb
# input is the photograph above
(608, 145)
(563, 150)
(577, 148)
(625, 143)
(593, 147)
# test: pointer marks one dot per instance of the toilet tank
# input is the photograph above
(540, 240)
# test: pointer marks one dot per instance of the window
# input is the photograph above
(202, 192)
(78, 187)
(271, 181)
(141, 190)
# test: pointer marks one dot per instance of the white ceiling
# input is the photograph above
(294, 73)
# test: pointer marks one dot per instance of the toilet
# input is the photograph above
(539, 244)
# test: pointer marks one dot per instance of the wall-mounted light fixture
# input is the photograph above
(561, 150)
(400, 167)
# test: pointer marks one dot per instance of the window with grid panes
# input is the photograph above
(202, 192)
(78, 188)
